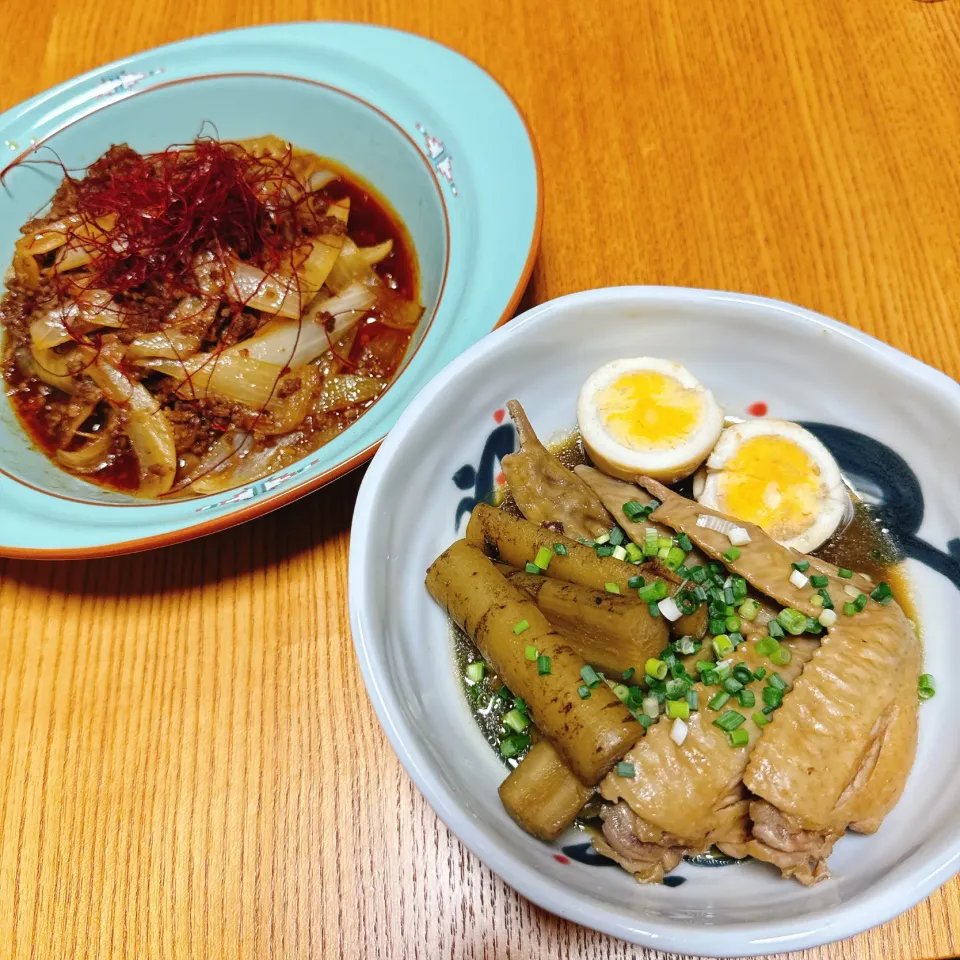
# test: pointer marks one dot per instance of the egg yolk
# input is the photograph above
(774, 483)
(648, 410)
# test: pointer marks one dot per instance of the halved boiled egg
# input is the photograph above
(647, 416)
(779, 476)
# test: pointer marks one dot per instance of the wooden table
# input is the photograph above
(189, 766)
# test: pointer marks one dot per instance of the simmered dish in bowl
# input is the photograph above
(683, 679)
(188, 321)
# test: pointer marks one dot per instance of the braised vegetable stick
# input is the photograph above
(546, 491)
(542, 794)
(590, 733)
(613, 633)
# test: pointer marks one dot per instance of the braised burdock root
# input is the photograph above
(590, 733)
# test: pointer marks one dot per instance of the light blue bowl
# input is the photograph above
(430, 130)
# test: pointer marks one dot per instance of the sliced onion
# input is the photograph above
(74, 318)
(373, 255)
(217, 459)
(287, 414)
(26, 269)
(94, 455)
(272, 293)
(355, 297)
(319, 179)
(324, 251)
(30, 368)
(171, 343)
(78, 253)
(351, 267)
(56, 364)
(396, 312)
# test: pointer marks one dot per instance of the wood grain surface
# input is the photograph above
(189, 766)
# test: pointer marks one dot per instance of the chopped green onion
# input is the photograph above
(710, 677)
(602, 540)
(584, 691)
(663, 552)
(521, 627)
(772, 697)
(611, 588)
(543, 557)
(475, 671)
(687, 645)
(519, 704)
(728, 599)
(816, 600)
(813, 626)
(676, 689)
(634, 553)
(849, 609)
(717, 625)
(802, 565)
(649, 593)
(828, 618)
(698, 574)
(732, 555)
(718, 700)
(682, 572)
(644, 720)
(733, 624)
(560, 549)
(619, 553)
(729, 721)
(589, 675)
(760, 673)
(652, 504)
(736, 638)
(654, 609)
(516, 721)
(617, 536)
(722, 645)
(635, 583)
(656, 668)
(703, 666)
(675, 557)
(605, 550)
(860, 602)
(732, 685)
(777, 682)
(818, 580)
(665, 543)
(693, 700)
(531, 652)
(532, 568)
(634, 510)
(793, 621)
(651, 706)
(724, 670)
(738, 738)
(685, 545)
(926, 686)
(627, 674)
(825, 598)
(678, 709)
(625, 769)
(760, 719)
(775, 630)
(511, 746)
(882, 593)
(746, 698)
(770, 708)
(621, 692)
(844, 572)
(781, 657)
(543, 666)
(749, 610)
(742, 673)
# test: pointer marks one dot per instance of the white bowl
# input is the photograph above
(441, 455)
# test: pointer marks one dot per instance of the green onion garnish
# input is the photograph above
(818, 580)
(703, 666)
(656, 668)
(738, 738)
(698, 574)
(777, 682)
(625, 770)
(634, 553)
(543, 557)
(605, 550)
(746, 698)
(749, 610)
(724, 670)
(710, 677)
(649, 592)
(693, 700)
(882, 593)
(589, 675)
(532, 568)
(511, 746)
(654, 609)
(926, 686)
(543, 666)
(718, 700)
(475, 671)
(627, 674)
(518, 704)
(644, 720)
(860, 602)
(732, 685)
(844, 572)
(520, 627)
(560, 549)
(634, 510)
(621, 692)
(775, 630)
(825, 597)
(793, 621)
(732, 555)
(760, 674)
(617, 536)
(675, 556)
(742, 673)
(717, 625)
(802, 565)
(584, 691)
(611, 588)
(782, 656)
(772, 697)
(516, 721)
(635, 583)
(531, 652)
(849, 609)
(760, 719)
(729, 721)
(685, 545)
(722, 645)
(678, 710)
(733, 624)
